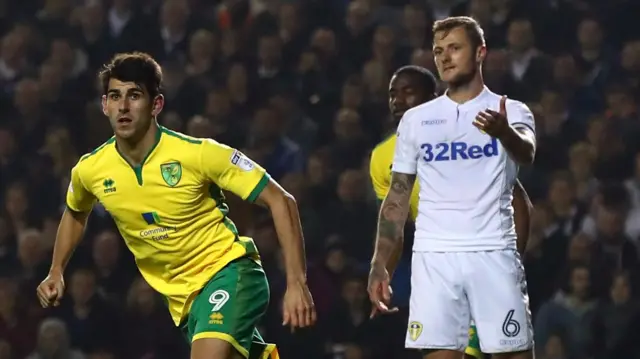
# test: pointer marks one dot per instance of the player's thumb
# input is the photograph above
(503, 104)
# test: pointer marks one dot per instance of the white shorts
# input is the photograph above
(451, 288)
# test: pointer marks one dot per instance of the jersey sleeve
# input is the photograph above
(405, 158)
(231, 170)
(519, 115)
(79, 198)
(379, 176)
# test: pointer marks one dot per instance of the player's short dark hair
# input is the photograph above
(470, 25)
(137, 67)
(427, 79)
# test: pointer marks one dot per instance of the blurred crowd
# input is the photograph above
(301, 87)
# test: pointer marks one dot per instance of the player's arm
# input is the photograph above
(379, 173)
(523, 209)
(234, 172)
(519, 138)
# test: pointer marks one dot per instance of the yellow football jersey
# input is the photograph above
(380, 172)
(170, 210)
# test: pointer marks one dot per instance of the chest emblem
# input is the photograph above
(171, 173)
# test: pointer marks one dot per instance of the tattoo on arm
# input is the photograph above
(393, 215)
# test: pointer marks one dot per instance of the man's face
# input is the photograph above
(405, 92)
(590, 33)
(520, 35)
(455, 57)
(129, 108)
(269, 51)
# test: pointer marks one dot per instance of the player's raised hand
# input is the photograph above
(51, 290)
(491, 122)
(298, 310)
(380, 291)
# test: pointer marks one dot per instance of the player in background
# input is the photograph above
(411, 86)
(163, 190)
(465, 147)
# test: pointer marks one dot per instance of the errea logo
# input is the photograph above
(109, 185)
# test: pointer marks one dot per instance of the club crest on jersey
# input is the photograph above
(240, 160)
(415, 329)
(171, 173)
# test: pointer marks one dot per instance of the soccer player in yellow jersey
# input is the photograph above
(163, 190)
(411, 86)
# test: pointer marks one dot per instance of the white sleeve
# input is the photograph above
(520, 115)
(405, 158)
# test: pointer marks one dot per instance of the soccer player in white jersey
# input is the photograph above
(465, 148)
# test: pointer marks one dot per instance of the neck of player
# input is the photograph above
(466, 91)
(135, 149)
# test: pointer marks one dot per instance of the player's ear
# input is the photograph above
(158, 105)
(481, 54)
(104, 105)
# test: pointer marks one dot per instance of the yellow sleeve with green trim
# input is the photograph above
(231, 170)
(79, 197)
(380, 174)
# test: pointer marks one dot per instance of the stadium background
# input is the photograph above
(301, 86)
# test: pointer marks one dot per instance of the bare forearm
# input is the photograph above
(519, 145)
(69, 234)
(522, 217)
(392, 264)
(391, 220)
(287, 222)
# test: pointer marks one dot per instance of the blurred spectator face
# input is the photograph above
(384, 46)
(352, 96)
(620, 292)
(351, 186)
(295, 184)
(230, 43)
(51, 78)
(13, 49)
(269, 51)
(53, 339)
(27, 96)
(424, 58)
(580, 282)
(497, 62)
(174, 15)
(62, 54)
(288, 19)
(358, 17)
(631, 56)
(620, 101)
(354, 292)
(415, 19)
(218, 104)
(581, 158)
(590, 34)
(481, 11)
(579, 250)
(595, 129)
(172, 121)
(336, 260)
(82, 287)
(553, 348)
(455, 56)
(561, 193)
(106, 250)
(317, 169)
(5, 348)
(565, 70)
(610, 223)
(375, 78)
(92, 19)
(347, 125)
(202, 46)
(520, 35)
(237, 79)
(49, 231)
(200, 126)
(7, 144)
(8, 296)
(406, 91)
(266, 125)
(324, 42)
(173, 77)
(284, 103)
(16, 201)
(141, 296)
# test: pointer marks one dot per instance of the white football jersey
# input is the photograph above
(466, 177)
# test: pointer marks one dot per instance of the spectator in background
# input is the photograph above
(53, 342)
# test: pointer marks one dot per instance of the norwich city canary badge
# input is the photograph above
(171, 173)
(415, 329)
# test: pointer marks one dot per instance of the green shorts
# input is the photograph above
(473, 348)
(229, 308)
